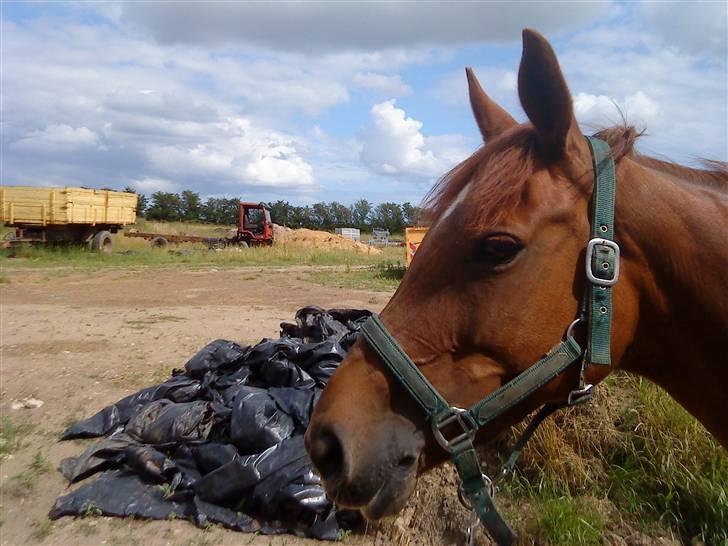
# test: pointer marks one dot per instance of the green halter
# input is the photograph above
(454, 428)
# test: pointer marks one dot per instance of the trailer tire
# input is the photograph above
(102, 242)
(159, 242)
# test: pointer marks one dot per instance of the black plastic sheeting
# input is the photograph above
(222, 440)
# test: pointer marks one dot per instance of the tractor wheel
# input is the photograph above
(243, 244)
(102, 242)
(159, 242)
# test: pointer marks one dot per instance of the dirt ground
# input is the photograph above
(80, 340)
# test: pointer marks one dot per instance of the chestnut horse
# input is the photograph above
(499, 277)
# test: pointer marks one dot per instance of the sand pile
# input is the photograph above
(320, 239)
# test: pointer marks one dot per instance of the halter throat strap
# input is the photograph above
(455, 428)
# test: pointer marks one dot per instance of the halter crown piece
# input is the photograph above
(454, 428)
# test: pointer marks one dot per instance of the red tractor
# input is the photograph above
(255, 227)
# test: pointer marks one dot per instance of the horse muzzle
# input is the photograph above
(375, 471)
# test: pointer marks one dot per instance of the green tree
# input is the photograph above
(164, 206)
(301, 217)
(282, 213)
(191, 206)
(321, 216)
(360, 214)
(230, 211)
(142, 201)
(413, 215)
(340, 215)
(388, 216)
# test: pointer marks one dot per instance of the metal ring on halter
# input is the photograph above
(464, 498)
(572, 326)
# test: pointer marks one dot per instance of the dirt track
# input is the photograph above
(81, 340)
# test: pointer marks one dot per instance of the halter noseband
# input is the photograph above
(454, 428)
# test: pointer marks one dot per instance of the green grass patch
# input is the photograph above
(639, 452)
(383, 277)
(670, 470)
(188, 255)
(12, 435)
(25, 483)
(568, 520)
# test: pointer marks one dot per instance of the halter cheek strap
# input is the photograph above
(454, 428)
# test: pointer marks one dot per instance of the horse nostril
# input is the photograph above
(407, 461)
(327, 454)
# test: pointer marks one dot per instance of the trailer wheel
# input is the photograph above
(102, 242)
(159, 242)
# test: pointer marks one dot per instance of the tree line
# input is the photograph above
(187, 206)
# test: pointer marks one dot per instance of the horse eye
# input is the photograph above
(498, 250)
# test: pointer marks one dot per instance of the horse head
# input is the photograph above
(495, 284)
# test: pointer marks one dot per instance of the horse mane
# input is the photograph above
(498, 171)
(622, 138)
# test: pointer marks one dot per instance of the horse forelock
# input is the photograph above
(495, 174)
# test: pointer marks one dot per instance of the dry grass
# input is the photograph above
(630, 467)
(637, 451)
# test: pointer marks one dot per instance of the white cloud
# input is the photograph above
(602, 111)
(274, 170)
(128, 100)
(678, 97)
(57, 138)
(395, 145)
(691, 25)
(357, 25)
(234, 151)
(392, 86)
(150, 185)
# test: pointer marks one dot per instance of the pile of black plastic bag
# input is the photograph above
(222, 440)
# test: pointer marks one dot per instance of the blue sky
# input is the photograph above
(330, 101)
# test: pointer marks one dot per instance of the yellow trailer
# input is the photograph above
(412, 238)
(65, 215)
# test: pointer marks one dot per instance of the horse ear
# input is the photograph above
(545, 96)
(491, 118)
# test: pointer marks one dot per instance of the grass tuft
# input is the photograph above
(670, 470)
(382, 277)
(25, 483)
(12, 435)
(650, 461)
(567, 520)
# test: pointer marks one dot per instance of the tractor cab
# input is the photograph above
(254, 224)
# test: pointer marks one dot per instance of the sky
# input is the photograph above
(323, 101)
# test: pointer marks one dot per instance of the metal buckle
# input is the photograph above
(597, 241)
(579, 396)
(456, 416)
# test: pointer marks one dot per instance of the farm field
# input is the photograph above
(79, 331)
(130, 251)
